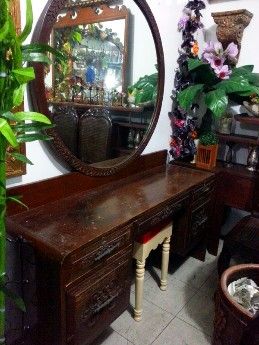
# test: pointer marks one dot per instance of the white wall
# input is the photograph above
(166, 13)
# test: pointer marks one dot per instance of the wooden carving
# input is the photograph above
(14, 167)
(231, 25)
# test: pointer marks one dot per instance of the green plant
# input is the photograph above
(144, 90)
(214, 80)
(207, 139)
(14, 126)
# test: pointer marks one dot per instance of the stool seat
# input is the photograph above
(142, 248)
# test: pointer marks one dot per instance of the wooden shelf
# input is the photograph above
(131, 125)
(250, 120)
(98, 106)
(238, 139)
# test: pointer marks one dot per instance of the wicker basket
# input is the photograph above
(206, 156)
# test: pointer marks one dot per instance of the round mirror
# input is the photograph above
(105, 98)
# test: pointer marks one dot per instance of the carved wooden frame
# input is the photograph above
(13, 167)
(37, 89)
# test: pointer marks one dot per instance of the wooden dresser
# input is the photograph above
(82, 229)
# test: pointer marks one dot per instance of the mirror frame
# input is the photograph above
(42, 34)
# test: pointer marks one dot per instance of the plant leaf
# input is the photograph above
(30, 115)
(9, 116)
(20, 157)
(242, 71)
(25, 138)
(235, 84)
(29, 20)
(4, 30)
(23, 75)
(31, 127)
(195, 63)
(18, 95)
(37, 57)
(217, 102)
(14, 297)
(43, 48)
(188, 95)
(8, 133)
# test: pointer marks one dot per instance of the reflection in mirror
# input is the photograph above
(103, 98)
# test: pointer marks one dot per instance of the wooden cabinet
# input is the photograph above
(80, 244)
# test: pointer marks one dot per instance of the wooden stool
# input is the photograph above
(142, 247)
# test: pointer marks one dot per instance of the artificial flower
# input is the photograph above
(218, 48)
(183, 22)
(195, 48)
(223, 72)
(216, 62)
(232, 51)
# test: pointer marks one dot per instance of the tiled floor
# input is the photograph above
(182, 315)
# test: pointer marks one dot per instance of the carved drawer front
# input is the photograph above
(154, 219)
(99, 253)
(91, 308)
(203, 194)
(199, 220)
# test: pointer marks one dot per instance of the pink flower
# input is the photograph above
(209, 47)
(217, 62)
(232, 51)
(223, 72)
(218, 48)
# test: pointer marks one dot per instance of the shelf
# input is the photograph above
(131, 125)
(238, 139)
(98, 106)
(250, 120)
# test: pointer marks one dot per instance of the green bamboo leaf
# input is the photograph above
(14, 297)
(43, 48)
(188, 95)
(4, 30)
(37, 57)
(25, 138)
(8, 133)
(20, 157)
(30, 115)
(8, 115)
(17, 200)
(23, 75)
(18, 95)
(195, 63)
(29, 20)
(217, 102)
(31, 127)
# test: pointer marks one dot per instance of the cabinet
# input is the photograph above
(80, 238)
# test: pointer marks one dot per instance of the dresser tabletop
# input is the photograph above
(62, 226)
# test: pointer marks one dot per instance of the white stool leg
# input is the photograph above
(165, 261)
(139, 284)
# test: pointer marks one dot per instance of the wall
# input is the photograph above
(166, 13)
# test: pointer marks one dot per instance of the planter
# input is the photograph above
(206, 156)
(224, 125)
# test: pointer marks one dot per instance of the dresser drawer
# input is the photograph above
(203, 194)
(97, 254)
(165, 213)
(91, 308)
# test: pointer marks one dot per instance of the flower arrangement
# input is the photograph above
(183, 124)
(216, 80)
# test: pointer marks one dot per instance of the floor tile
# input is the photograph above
(145, 331)
(180, 333)
(173, 299)
(195, 272)
(110, 337)
(199, 312)
(210, 286)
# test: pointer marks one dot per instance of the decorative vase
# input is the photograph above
(252, 159)
(207, 156)
(225, 125)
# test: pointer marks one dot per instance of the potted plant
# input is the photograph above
(215, 81)
(207, 151)
(14, 126)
